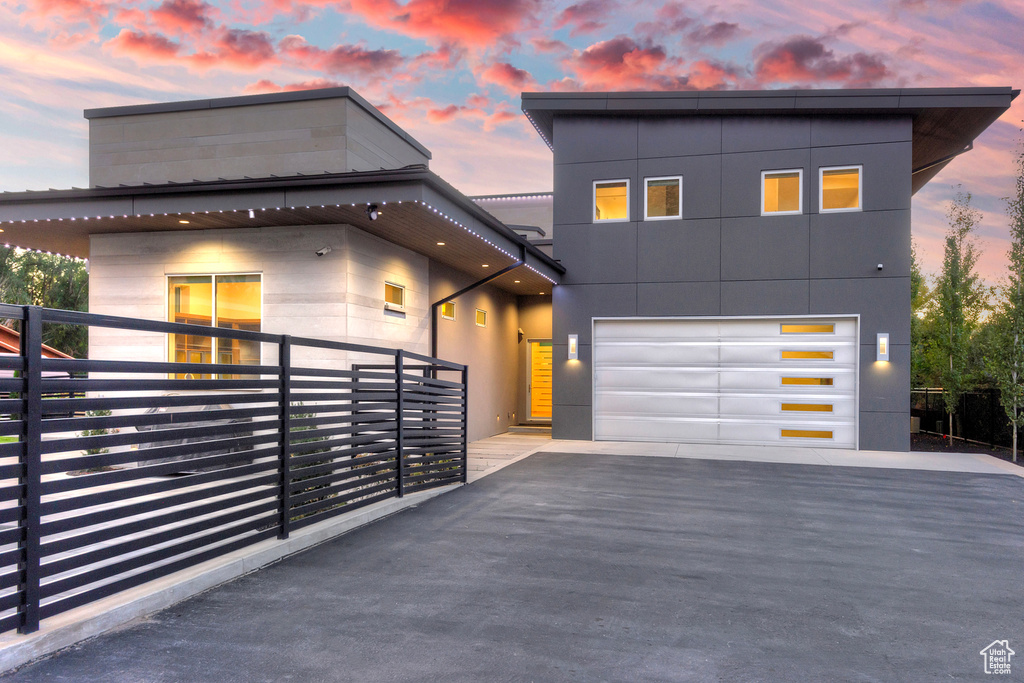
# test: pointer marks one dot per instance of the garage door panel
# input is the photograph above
(659, 378)
(659, 403)
(744, 381)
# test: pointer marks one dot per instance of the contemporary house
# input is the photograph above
(710, 267)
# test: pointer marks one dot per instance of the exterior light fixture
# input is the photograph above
(883, 347)
(574, 347)
(372, 212)
(440, 244)
(486, 265)
(183, 221)
(252, 214)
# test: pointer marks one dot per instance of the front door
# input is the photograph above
(539, 381)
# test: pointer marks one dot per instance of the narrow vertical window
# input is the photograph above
(782, 192)
(839, 189)
(611, 200)
(663, 198)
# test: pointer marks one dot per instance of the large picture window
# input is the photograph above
(230, 302)
(611, 200)
(782, 192)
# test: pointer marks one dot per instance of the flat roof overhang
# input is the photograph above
(945, 120)
(416, 211)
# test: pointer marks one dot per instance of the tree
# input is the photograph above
(921, 341)
(32, 278)
(1006, 361)
(960, 299)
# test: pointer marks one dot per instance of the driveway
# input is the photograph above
(618, 568)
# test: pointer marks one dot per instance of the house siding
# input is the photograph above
(723, 258)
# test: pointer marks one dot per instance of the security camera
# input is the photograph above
(879, 266)
(325, 250)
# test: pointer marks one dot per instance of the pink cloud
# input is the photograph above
(143, 47)
(623, 64)
(237, 49)
(588, 16)
(802, 59)
(508, 77)
(715, 34)
(548, 45)
(182, 16)
(267, 86)
(473, 23)
(340, 58)
(671, 18)
(45, 13)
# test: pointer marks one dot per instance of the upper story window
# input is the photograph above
(448, 310)
(481, 317)
(394, 297)
(611, 200)
(839, 189)
(782, 192)
(663, 198)
(226, 301)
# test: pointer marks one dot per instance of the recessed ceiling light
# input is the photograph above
(518, 281)
(184, 222)
(542, 292)
(440, 244)
(487, 265)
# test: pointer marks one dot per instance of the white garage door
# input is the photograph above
(738, 381)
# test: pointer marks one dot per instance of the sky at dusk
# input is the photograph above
(451, 71)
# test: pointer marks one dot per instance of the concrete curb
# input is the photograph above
(64, 630)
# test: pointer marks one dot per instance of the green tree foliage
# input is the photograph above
(1006, 357)
(31, 278)
(922, 326)
(960, 297)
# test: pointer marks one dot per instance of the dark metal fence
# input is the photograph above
(979, 416)
(116, 472)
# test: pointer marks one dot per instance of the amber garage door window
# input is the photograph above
(611, 200)
(840, 189)
(781, 191)
(662, 198)
(225, 301)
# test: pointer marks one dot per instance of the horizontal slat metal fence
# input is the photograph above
(117, 472)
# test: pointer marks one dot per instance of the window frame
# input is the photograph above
(860, 187)
(593, 202)
(391, 306)
(647, 216)
(448, 317)
(800, 196)
(169, 348)
(476, 319)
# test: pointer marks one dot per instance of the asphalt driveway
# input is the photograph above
(618, 568)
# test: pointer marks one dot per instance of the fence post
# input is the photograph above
(31, 436)
(399, 428)
(285, 387)
(465, 423)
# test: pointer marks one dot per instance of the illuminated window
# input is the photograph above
(448, 310)
(839, 189)
(394, 297)
(808, 328)
(226, 301)
(782, 192)
(807, 381)
(808, 355)
(663, 198)
(481, 318)
(611, 200)
(807, 407)
(806, 434)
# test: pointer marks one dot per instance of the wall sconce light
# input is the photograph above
(574, 347)
(372, 212)
(883, 347)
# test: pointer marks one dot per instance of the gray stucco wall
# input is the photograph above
(490, 352)
(724, 258)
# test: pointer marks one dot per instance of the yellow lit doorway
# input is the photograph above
(539, 387)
